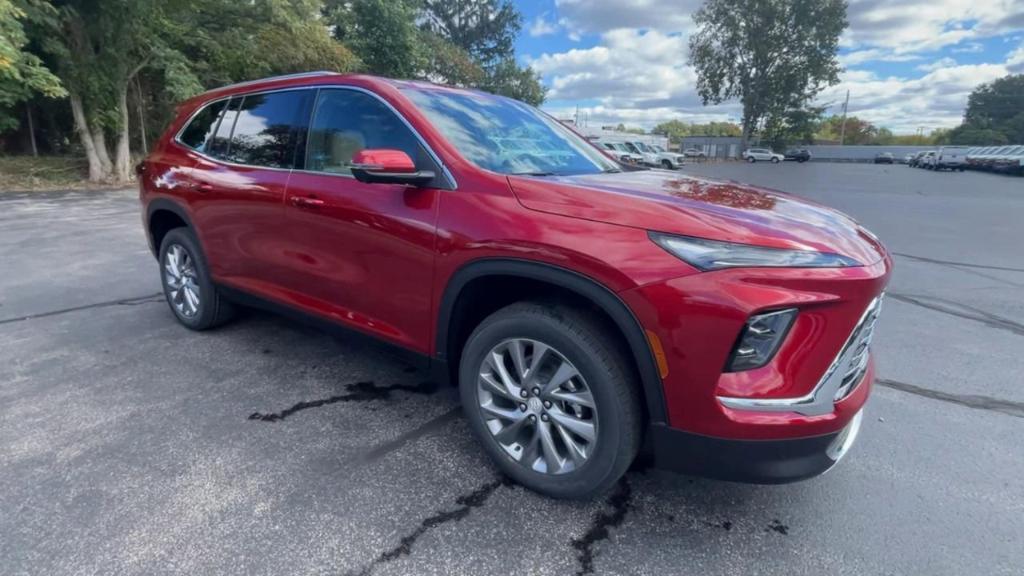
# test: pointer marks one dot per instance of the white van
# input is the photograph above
(952, 157)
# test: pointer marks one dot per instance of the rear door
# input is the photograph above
(240, 185)
(362, 254)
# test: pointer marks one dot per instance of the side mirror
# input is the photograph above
(386, 166)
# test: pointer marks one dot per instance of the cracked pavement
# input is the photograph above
(129, 445)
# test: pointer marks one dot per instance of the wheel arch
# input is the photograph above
(447, 338)
(162, 216)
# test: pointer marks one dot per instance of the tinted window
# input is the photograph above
(265, 129)
(217, 146)
(347, 121)
(507, 136)
(198, 131)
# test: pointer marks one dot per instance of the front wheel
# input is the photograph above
(666, 164)
(552, 399)
(751, 159)
(775, 160)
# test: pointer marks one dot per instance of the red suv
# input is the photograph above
(585, 309)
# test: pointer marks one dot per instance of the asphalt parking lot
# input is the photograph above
(129, 445)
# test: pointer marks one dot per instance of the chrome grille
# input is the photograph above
(853, 358)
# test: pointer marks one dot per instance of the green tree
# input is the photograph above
(992, 105)
(486, 30)
(382, 33)
(794, 126)
(22, 73)
(773, 55)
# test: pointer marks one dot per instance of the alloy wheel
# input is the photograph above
(182, 281)
(537, 406)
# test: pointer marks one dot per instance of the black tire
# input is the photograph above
(213, 309)
(589, 346)
(751, 159)
(666, 164)
(775, 160)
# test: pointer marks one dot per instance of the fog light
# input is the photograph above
(760, 339)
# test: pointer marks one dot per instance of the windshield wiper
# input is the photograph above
(611, 171)
(534, 174)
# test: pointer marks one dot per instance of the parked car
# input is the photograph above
(1010, 161)
(762, 154)
(988, 160)
(951, 157)
(581, 309)
(926, 160)
(915, 159)
(620, 155)
(668, 160)
(884, 158)
(694, 153)
(800, 155)
(647, 155)
(907, 159)
(625, 153)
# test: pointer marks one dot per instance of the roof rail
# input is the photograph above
(282, 77)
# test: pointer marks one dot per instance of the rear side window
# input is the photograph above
(217, 145)
(198, 132)
(266, 129)
(347, 121)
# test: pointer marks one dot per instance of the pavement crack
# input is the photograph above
(621, 502)
(466, 503)
(975, 401)
(961, 264)
(357, 392)
(960, 311)
(158, 297)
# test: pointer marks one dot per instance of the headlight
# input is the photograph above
(714, 255)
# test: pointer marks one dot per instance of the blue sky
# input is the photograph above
(909, 65)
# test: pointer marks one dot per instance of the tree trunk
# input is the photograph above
(31, 129)
(96, 171)
(99, 141)
(122, 154)
(142, 118)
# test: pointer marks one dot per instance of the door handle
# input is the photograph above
(203, 188)
(306, 202)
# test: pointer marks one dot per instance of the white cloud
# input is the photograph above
(937, 65)
(598, 16)
(541, 26)
(1015, 60)
(637, 72)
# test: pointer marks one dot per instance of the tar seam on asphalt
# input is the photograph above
(975, 401)
(427, 427)
(621, 502)
(158, 297)
(777, 526)
(960, 311)
(358, 392)
(466, 504)
(963, 264)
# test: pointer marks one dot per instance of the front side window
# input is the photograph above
(266, 129)
(347, 121)
(198, 132)
(506, 136)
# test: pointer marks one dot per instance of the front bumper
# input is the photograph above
(752, 461)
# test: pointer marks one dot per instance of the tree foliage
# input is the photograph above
(22, 73)
(772, 55)
(994, 114)
(676, 130)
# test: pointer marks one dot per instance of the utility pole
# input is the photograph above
(576, 118)
(842, 129)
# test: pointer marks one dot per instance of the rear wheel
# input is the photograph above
(551, 399)
(190, 292)
(751, 159)
(775, 160)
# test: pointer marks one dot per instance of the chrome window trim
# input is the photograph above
(445, 172)
(820, 400)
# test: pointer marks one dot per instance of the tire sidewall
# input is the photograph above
(594, 475)
(207, 293)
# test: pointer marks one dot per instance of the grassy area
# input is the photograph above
(18, 173)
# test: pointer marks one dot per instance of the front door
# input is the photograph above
(361, 254)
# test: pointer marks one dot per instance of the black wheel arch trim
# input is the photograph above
(158, 204)
(585, 286)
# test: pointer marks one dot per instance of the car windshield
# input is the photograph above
(658, 149)
(506, 136)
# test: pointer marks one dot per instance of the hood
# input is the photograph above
(667, 202)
